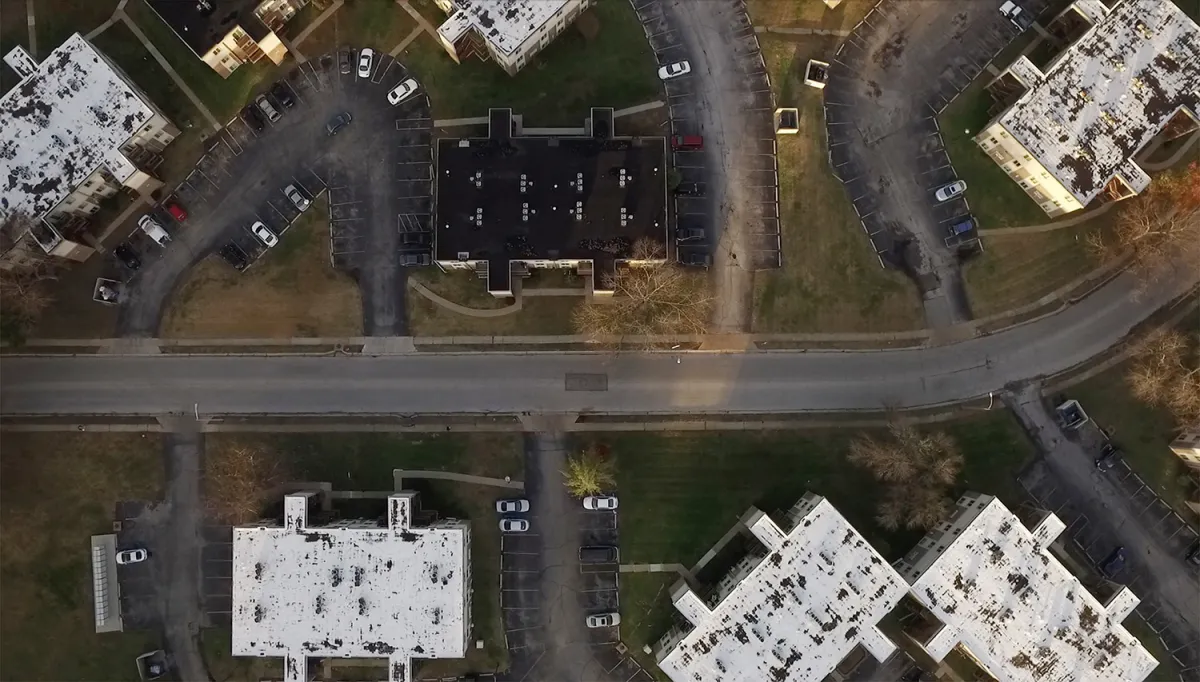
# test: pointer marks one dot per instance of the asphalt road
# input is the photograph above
(779, 381)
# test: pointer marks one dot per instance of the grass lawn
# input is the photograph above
(292, 291)
(57, 20)
(812, 14)
(216, 645)
(615, 68)
(13, 32)
(365, 462)
(646, 613)
(540, 315)
(223, 96)
(995, 199)
(831, 280)
(683, 491)
(1142, 431)
(1017, 270)
(55, 491)
(380, 24)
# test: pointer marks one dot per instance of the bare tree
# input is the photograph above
(648, 300)
(24, 295)
(917, 470)
(238, 476)
(1166, 373)
(1160, 228)
(589, 473)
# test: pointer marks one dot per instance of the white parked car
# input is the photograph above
(298, 199)
(365, 58)
(513, 525)
(132, 556)
(153, 230)
(512, 506)
(672, 70)
(597, 502)
(264, 233)
(402, 92)
(950, 191)
(603, 620)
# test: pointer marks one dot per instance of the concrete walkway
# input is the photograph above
(302, 35)
(462, 309)
(1047, 227)
(162, 61)
(31, 24)
(398, 475)
(637, 109)
(659, 568)
(403, 44)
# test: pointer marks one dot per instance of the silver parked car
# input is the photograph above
(297, 198)
(950, 191)
(514, 525)
(518, 506)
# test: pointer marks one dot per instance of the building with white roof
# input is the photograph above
(1072, 135)
(388, 589)
(790, 614)
(74, 131)
(511, 32)
(1004, 601)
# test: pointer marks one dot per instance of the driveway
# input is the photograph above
(1155, 570)
(726, 99)
(889, 79)
(241, 177)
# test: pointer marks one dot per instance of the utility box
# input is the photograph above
(787, 121)
(816, 74)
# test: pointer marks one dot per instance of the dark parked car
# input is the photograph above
(128, 257)
(409, 260)
(235, 256)
(688, 234)
(690, 189)
(254, 118)
(1109, 456)
(416, 238)
(337, 123)
(1113, 563)
(344, 60)
(283, 94)
(599, 554)
(1193, 555)
(697, 259)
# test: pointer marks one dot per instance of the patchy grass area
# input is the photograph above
(1020, 269)
(379, 24)
(1142, 431)
(365, 462)
(216, 646)
(614, 68)
(55, 491)
(57, 20)
(646, 613)
(291, 291)
(812, 14)
(681, 492)
(831, 280)
(223, 96)
(541, 315)
(13, 32)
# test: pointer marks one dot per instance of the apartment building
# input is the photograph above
(794, 611)
(548, 198)
(1072, 134)
(1186, 446)
(228, 33)
(391, 588)
(74, 131)
(1004, 601)
(510, 32)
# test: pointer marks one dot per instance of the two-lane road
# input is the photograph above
(577, 382)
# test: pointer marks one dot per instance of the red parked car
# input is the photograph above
(176, 211)
(687, 142)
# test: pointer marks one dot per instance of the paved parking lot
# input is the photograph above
(726, 99)
(1104, 510)
(890, 78)
(372, 169)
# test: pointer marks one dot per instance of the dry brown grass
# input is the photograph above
(808, 13)
(1017, 270)
(550, 315)
(292, 291)
(831, 280)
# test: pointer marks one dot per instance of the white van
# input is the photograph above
(154, 230)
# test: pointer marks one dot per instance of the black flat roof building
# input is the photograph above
(204, 24)
(547, 200)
